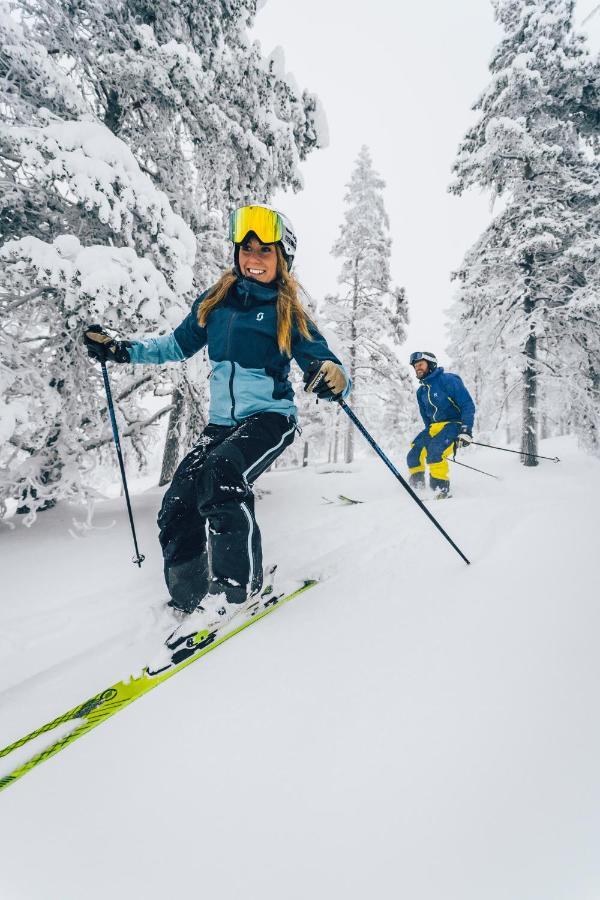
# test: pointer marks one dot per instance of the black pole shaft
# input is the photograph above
(518, 452)
(473, 469)
(397, 474)
(138, 559)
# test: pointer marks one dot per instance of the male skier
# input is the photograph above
(448, 411)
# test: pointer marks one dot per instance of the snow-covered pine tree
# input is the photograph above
(369, 314)
(51, 395)
(400, 419)
(207, 120)
(91, 237)
(210, 120)
(527, 307)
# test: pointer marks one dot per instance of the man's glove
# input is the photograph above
(102, 347)
(325, 379)
(464, 438)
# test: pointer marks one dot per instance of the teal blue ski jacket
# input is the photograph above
(249, 373)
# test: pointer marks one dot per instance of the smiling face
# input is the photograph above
(258, 261)
(421, 368)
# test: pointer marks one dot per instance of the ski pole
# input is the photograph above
(138, 558)
(397, 474)
(465, 466)
(520, 452)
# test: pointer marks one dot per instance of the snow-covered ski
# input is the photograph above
(102, 706)
(342, 500)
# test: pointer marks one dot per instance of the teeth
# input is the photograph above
(257, 271)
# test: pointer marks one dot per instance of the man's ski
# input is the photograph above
(342, 500)
(110, 701)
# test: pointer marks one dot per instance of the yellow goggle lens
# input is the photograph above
(265, 223)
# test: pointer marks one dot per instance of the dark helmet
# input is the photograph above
(429, 358)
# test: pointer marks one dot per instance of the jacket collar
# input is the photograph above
(247, 291)
(429, 378)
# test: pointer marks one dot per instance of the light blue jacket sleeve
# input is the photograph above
(156, 350)
(187, 339)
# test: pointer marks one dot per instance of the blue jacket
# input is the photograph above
(443, 397)
(249, 373)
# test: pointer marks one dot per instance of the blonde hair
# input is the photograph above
(290, 310)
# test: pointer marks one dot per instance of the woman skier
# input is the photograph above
(253, 323)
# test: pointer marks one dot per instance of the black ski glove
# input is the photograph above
(102, 347)
(325, 379)
(464, 438)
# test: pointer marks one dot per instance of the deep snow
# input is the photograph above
(412, 727)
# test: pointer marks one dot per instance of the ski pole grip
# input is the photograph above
(315, 383)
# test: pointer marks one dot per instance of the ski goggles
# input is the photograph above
(415, 357)
(266, 224)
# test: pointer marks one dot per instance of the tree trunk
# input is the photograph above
(336, 438)
(506, 407)
(305, 455)
(171, 452)
(590, 421)
(593, 422)
(529, 442)
(349, 443)
(349, 450)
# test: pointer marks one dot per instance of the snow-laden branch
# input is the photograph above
(15, 302)
(135, 429)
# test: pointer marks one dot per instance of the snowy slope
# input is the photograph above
(412, 727)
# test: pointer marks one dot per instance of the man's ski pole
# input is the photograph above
(465, 466)
(519, 452)
(397, 474)
(138, 558)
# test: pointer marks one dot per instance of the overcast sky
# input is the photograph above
(400, 77)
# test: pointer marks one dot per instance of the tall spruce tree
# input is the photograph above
(369, 313)
(526, 309)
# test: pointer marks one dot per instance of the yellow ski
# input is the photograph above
(110, 701)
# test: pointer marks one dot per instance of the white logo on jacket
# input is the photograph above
(260, 316)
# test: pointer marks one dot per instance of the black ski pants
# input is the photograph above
(213, 485)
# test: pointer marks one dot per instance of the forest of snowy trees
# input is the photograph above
(526, 318)
(130, 129)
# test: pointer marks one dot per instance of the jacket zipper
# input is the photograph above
(231, 392)
(234, 315)
(431, 402)
(435, 407)
(231, 377)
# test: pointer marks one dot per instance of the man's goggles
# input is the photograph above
(415, 357)
(266, 224)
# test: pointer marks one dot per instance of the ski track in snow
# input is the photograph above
(411, 727)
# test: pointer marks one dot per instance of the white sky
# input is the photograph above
(400, 77)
